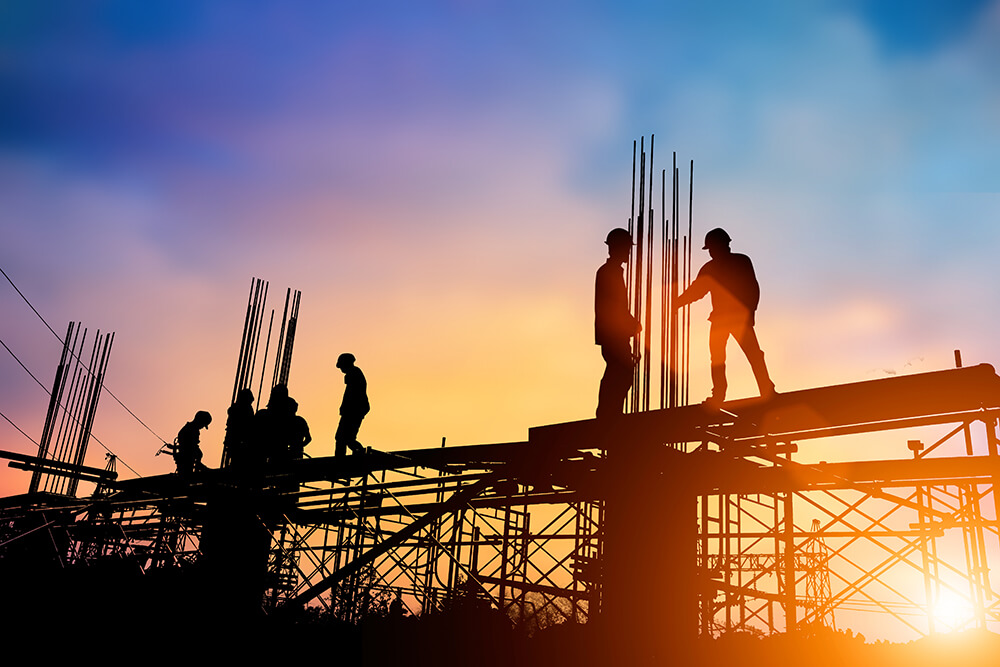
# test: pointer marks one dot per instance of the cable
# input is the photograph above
(24, 367)
(46, 390)
(59, 338)
(22, 432)
(96, 439)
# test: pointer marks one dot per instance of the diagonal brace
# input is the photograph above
(457, 499)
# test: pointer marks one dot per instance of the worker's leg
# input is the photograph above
(357, 447)
(617, 379)
(747, 338)
(718, 336)
(347, 433)
(184, 462)
(196, 464)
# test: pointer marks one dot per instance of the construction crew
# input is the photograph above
(614, 325)
(353, 408)
(729, 277)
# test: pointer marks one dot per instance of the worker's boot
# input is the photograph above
(763, 379)
(719, 386)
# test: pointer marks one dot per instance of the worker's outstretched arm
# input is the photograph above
(695, 291)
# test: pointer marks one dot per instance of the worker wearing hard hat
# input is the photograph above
(729, 277)
(187, 453)
(353, 408)
(614, 325)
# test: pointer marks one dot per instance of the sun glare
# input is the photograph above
(952, 612)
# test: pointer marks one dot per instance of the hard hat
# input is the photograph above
(619, 236)
(716, 237)
(202, 417)
(345, 359)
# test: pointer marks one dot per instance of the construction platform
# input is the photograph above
(646, 506)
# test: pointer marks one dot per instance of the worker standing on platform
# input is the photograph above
(730, 279)
(239, 427)
(353, 408)
(614, 325)
(269, 427)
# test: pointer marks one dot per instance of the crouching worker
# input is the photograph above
(186, 449)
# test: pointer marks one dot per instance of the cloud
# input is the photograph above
(439, 190)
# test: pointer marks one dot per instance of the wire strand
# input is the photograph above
(96, 439)
(47, 391)
(24, 367)
(59, 338)
(19, 429)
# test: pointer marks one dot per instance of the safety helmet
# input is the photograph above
(345, 359)
(716, 237)
(619, 236)
(202, 418)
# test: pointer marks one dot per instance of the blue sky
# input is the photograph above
(850, 147)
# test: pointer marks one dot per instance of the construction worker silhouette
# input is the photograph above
(269, 426)
(729, 277)
(239, 427)
(298, 435)
(187, 453)
(614, 325)
(353, 408)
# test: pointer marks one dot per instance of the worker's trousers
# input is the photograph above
(617, 378)
(743, 332)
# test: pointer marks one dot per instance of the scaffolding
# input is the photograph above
(726, 512)
(895, 537)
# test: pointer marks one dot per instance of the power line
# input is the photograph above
(25, 434)
(59, 338)
(46, 390)
(24, 367)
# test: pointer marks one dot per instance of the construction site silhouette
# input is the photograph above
(660, 532)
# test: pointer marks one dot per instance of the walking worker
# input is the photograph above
(729, 277)
(614, 325)
(353, 408)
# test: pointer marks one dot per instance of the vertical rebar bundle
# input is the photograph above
(69, 419)
(674, 270)
(283, 364)
(253, 325)
(639, 237)
(251, 336)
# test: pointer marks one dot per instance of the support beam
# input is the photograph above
(457, 499)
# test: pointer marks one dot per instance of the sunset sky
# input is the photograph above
(437, 178)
